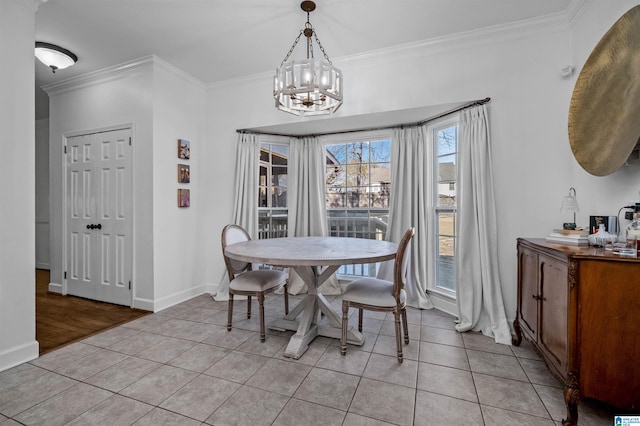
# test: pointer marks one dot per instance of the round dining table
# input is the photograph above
(315, 259)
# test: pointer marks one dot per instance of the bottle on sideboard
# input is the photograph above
(633, 232)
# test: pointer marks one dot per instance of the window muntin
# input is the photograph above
(272, 190)
(358, 180)
(358, 174)
(445, 206)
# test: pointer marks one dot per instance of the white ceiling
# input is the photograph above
(214, 40)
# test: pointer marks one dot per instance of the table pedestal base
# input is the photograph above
(312, 307)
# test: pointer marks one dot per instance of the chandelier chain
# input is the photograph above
(292, 48)
(315, 35)
(295, 43)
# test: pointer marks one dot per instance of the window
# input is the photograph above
(445, 139)
(358, 179)
(272, 191)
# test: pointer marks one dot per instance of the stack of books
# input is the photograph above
(574, 237)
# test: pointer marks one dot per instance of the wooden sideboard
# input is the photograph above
(580, 307)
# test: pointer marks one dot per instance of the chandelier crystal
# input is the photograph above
(309, 86)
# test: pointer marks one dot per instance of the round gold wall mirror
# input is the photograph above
(604, 114)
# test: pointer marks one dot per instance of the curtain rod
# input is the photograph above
(371, 129)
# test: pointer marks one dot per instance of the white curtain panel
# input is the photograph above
(245, 209)
(479, 292)
(307, 202)
(409, 206)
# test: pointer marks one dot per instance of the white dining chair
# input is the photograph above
(374, 294)
(247, 282)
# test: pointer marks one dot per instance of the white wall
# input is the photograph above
(118, 96)
(177, 251)
(42, 193)
(599, 196)
(17, 184)
(164, 105)
(180, 251)
(518, 68)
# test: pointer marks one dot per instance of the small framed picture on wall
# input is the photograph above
(184, 198)
(184, 149)
(184, 173)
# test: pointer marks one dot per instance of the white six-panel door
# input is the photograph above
(99, 216)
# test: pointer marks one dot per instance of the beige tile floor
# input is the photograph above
(181, 367)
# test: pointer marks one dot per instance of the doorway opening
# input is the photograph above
(61, 320)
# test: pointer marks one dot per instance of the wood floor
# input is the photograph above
(61, 320)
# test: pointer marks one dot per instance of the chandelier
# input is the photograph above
(308, 86)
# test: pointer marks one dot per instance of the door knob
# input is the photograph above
(99, 226)
(89, 226)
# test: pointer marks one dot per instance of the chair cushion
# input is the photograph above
(372, 291)
(258, 280)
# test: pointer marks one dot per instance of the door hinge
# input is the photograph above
(129, 285)
(65, 149)
(129, 140)
(65, 275)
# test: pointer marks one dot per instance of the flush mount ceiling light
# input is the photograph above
(55, 57)
(308, 86)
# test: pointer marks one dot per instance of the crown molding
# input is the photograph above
(98, 77)
(31, 4)
(504, 32)
(114, 73)
(575, 8)
(556, 22)
(191, 79)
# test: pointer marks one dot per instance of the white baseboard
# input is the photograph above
(444, 304)
(212, 288)
(55, 288)
(43, 265)
(144, 304)
(174, 299)
(160, 304)
(18, 355)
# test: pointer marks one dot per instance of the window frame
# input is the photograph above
(432, 130)
(387, 134)
(355, 137)
(269, 209)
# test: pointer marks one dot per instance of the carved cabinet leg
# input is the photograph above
(515, 341)
(571, 398)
